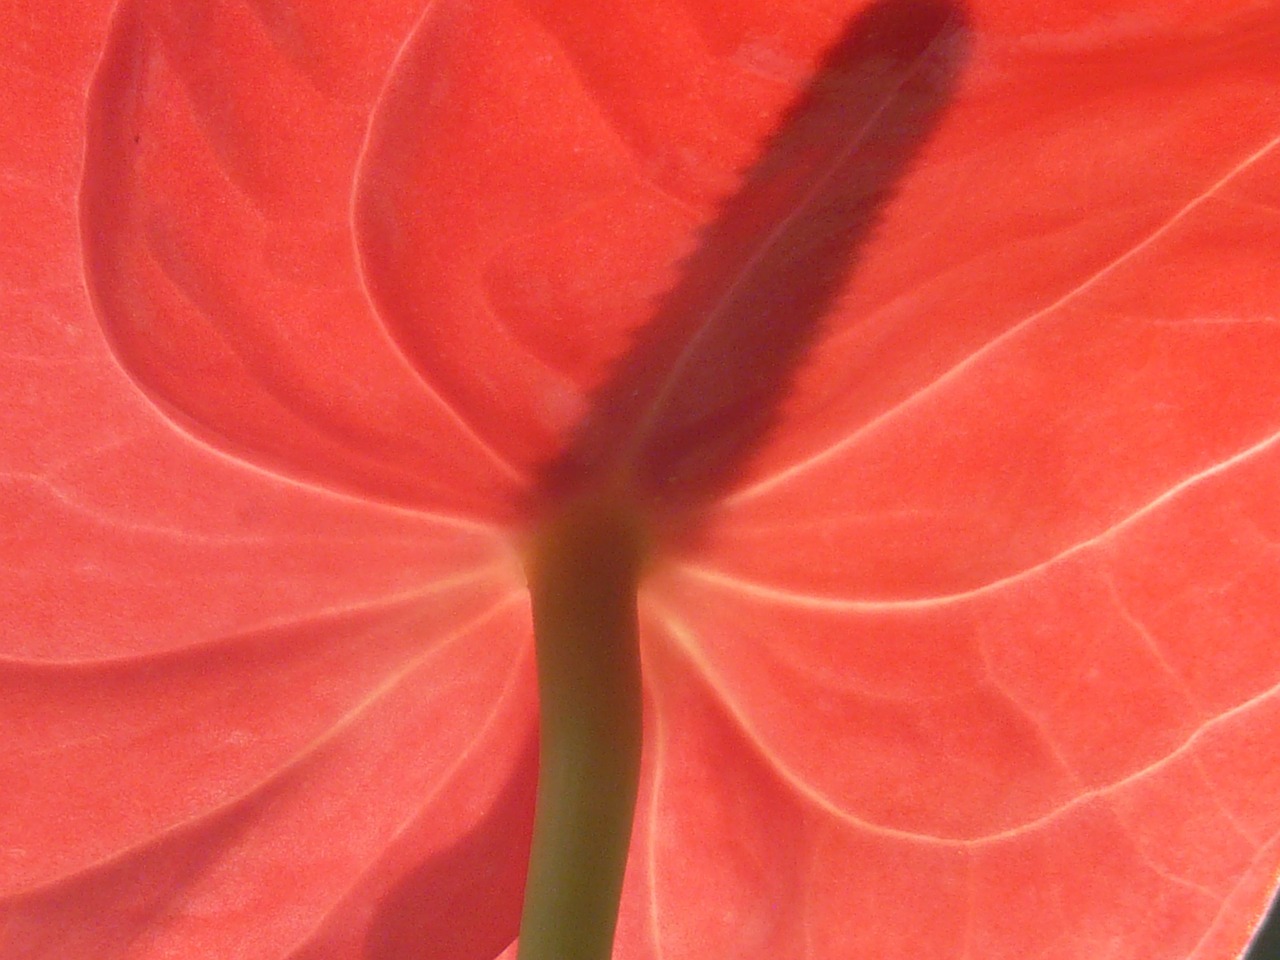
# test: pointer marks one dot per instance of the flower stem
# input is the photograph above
(583, 569)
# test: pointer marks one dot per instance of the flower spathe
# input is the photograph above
(973, 649)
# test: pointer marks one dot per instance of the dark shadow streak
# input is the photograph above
(1266, 941)
(700, 386)
(750, 302)
(464, 903)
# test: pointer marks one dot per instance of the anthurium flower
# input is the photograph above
(893, 383)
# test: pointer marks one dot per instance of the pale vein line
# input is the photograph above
(794, 598)
(475, 575)
(109, 33)
(281, 397)
(1156, 650)
(900, 409)
(1171, 877)
(623, 146)
(65, 496)
(167, 416)
(686, 641)
(1214, 925)
(176, 420)
(660, 192)
(1038, 723)
(457, 521)
(188, 436)
(445, 778)
(357, 178)
(288, 767)
(1228, 814)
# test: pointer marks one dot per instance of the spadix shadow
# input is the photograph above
(699, 387)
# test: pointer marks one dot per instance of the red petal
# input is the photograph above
(980, 651)
(221, 684)
(1092, 327)
(1014, 604)
(517, 250)
(222, 144)
(381, 807)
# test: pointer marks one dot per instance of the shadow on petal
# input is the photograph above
(464, 903)
(700, 386)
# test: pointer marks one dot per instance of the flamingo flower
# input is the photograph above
(681, 478)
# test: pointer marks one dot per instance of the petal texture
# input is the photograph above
(219, 251)
(963, 645)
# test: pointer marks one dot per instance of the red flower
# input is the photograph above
(960, 638)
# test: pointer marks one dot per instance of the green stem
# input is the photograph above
(583, 569)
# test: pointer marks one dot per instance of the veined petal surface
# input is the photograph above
(966, 647)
